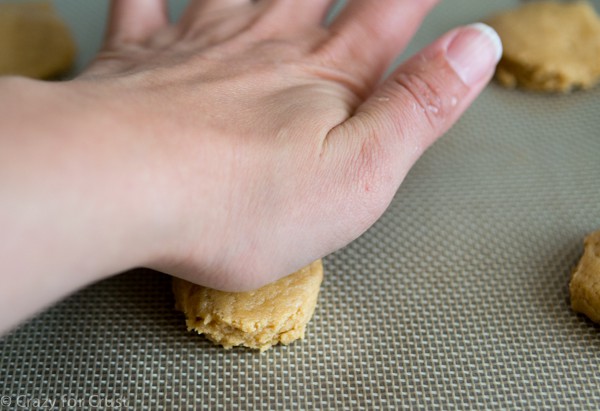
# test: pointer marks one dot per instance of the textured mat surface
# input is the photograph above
(456, 298)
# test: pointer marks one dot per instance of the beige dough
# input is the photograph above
(585, 280)
(34, 42)
(276, 313)
(549, 46)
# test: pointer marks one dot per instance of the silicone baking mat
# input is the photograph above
(456, 298)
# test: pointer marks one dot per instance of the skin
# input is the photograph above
(229, 148)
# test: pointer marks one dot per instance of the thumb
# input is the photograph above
(425, 95)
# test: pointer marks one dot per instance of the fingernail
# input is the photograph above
(474, 52)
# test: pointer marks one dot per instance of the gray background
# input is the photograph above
(456, 298)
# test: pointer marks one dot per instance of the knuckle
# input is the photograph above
(371, 180)
(427, 96)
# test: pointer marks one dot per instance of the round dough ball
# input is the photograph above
(585, 279)
(34, 42)
(276, 313)
(549, 46)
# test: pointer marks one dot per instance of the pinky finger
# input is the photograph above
(133, 21)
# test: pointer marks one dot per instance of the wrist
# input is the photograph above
(131, 188)
(91, 182)
(173, 174)
(77, 192)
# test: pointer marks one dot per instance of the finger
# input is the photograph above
(197, 8)
(134, 21)
(369, 34)
(215, 20)
(291, 14)
(422, 99)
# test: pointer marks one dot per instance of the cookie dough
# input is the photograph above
(549, 46)
(585, 280)
(34, 42)
(276, 313)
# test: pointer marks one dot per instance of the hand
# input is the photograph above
(271, 139)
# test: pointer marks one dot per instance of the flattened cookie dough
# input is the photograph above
(34, 42)
(549, 46)
(276, 313)
(585, 280)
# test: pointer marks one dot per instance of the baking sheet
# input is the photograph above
(456, 298)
